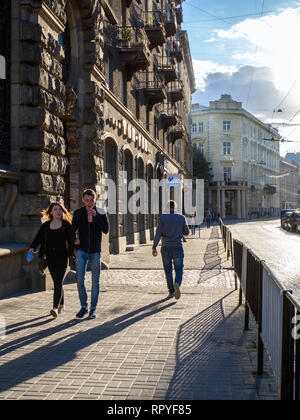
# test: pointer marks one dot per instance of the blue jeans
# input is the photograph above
(82, 258)
(172, 256)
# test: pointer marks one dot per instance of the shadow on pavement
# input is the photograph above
(64, 348)
(209, 350)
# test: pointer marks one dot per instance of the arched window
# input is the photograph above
(5, 45)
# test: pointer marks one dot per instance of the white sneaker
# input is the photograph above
(177, 291)
(54, 312)
(61, 309)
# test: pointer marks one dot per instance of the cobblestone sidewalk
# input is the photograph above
(141, 345)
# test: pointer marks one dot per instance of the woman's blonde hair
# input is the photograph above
(66, 215)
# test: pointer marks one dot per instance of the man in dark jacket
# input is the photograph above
(88, 225)
(171, 228)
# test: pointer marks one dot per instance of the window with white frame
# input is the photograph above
(227, 174)
(194, 128)
(226, 125)
(200, 127)
(227, 148)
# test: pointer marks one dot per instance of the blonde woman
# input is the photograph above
(55, 241)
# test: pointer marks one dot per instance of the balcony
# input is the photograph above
(175, 92)
(134, 51)
(170, 22)
(152, 86)
(270, 189)
(168, 115)
(175, 50)
(154, 25)
(177, 132)
(165, 66)
(179, 15)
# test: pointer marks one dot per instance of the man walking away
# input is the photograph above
(88, 225)
(171, 228)
(208, 219)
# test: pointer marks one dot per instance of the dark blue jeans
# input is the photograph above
(81, 263)
(170, 257)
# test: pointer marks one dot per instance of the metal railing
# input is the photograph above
(275, 311)
(149, 80)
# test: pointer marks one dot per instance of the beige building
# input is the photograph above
(245, 167)
(289, 184)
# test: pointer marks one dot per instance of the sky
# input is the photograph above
(249, 49)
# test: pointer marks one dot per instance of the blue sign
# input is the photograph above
(174, 181)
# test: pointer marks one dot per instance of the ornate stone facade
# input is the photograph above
(73, 91)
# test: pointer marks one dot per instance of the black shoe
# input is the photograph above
(81, 313)
(177, 291)
(92, 314)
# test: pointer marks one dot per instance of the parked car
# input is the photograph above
(284, 217)
(290, 220)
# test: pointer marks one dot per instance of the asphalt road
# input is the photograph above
(280, 249)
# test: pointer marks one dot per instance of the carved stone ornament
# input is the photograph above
(71, 100)
(73, 134)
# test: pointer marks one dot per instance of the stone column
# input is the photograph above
(239, 214)
(244, 214)
(218, 200)
(223, 213)
(209, 198)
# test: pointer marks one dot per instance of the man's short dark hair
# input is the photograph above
(172, 204)
(89, 192)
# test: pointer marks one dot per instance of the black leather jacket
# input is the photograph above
(89, 234)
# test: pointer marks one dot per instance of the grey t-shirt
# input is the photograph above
(171, 228)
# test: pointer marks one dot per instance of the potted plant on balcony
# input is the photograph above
(126, 36)
(140, 37)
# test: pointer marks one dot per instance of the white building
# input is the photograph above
(289, 184)
(245, 166)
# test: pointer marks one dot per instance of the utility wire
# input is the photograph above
(225, 17)
(282, 101)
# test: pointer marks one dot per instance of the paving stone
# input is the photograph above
(141, 346)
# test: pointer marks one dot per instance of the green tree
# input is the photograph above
(201, 167)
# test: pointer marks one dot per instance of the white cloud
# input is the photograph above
(202, 68)
(276, 42)
(270, 48)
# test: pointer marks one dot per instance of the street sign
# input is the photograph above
(174, 180)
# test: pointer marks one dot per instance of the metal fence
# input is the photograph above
(276, 314)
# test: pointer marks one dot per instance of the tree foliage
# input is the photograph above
(201, 167)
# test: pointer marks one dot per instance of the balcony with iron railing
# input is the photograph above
(177, 131)
(175, 92)
(168, 115)
(153, 87)
(154, 25)
(179, 15)
(133, 45)
(176, 50)
(270, 189)
(165, 66)
(170, 22)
